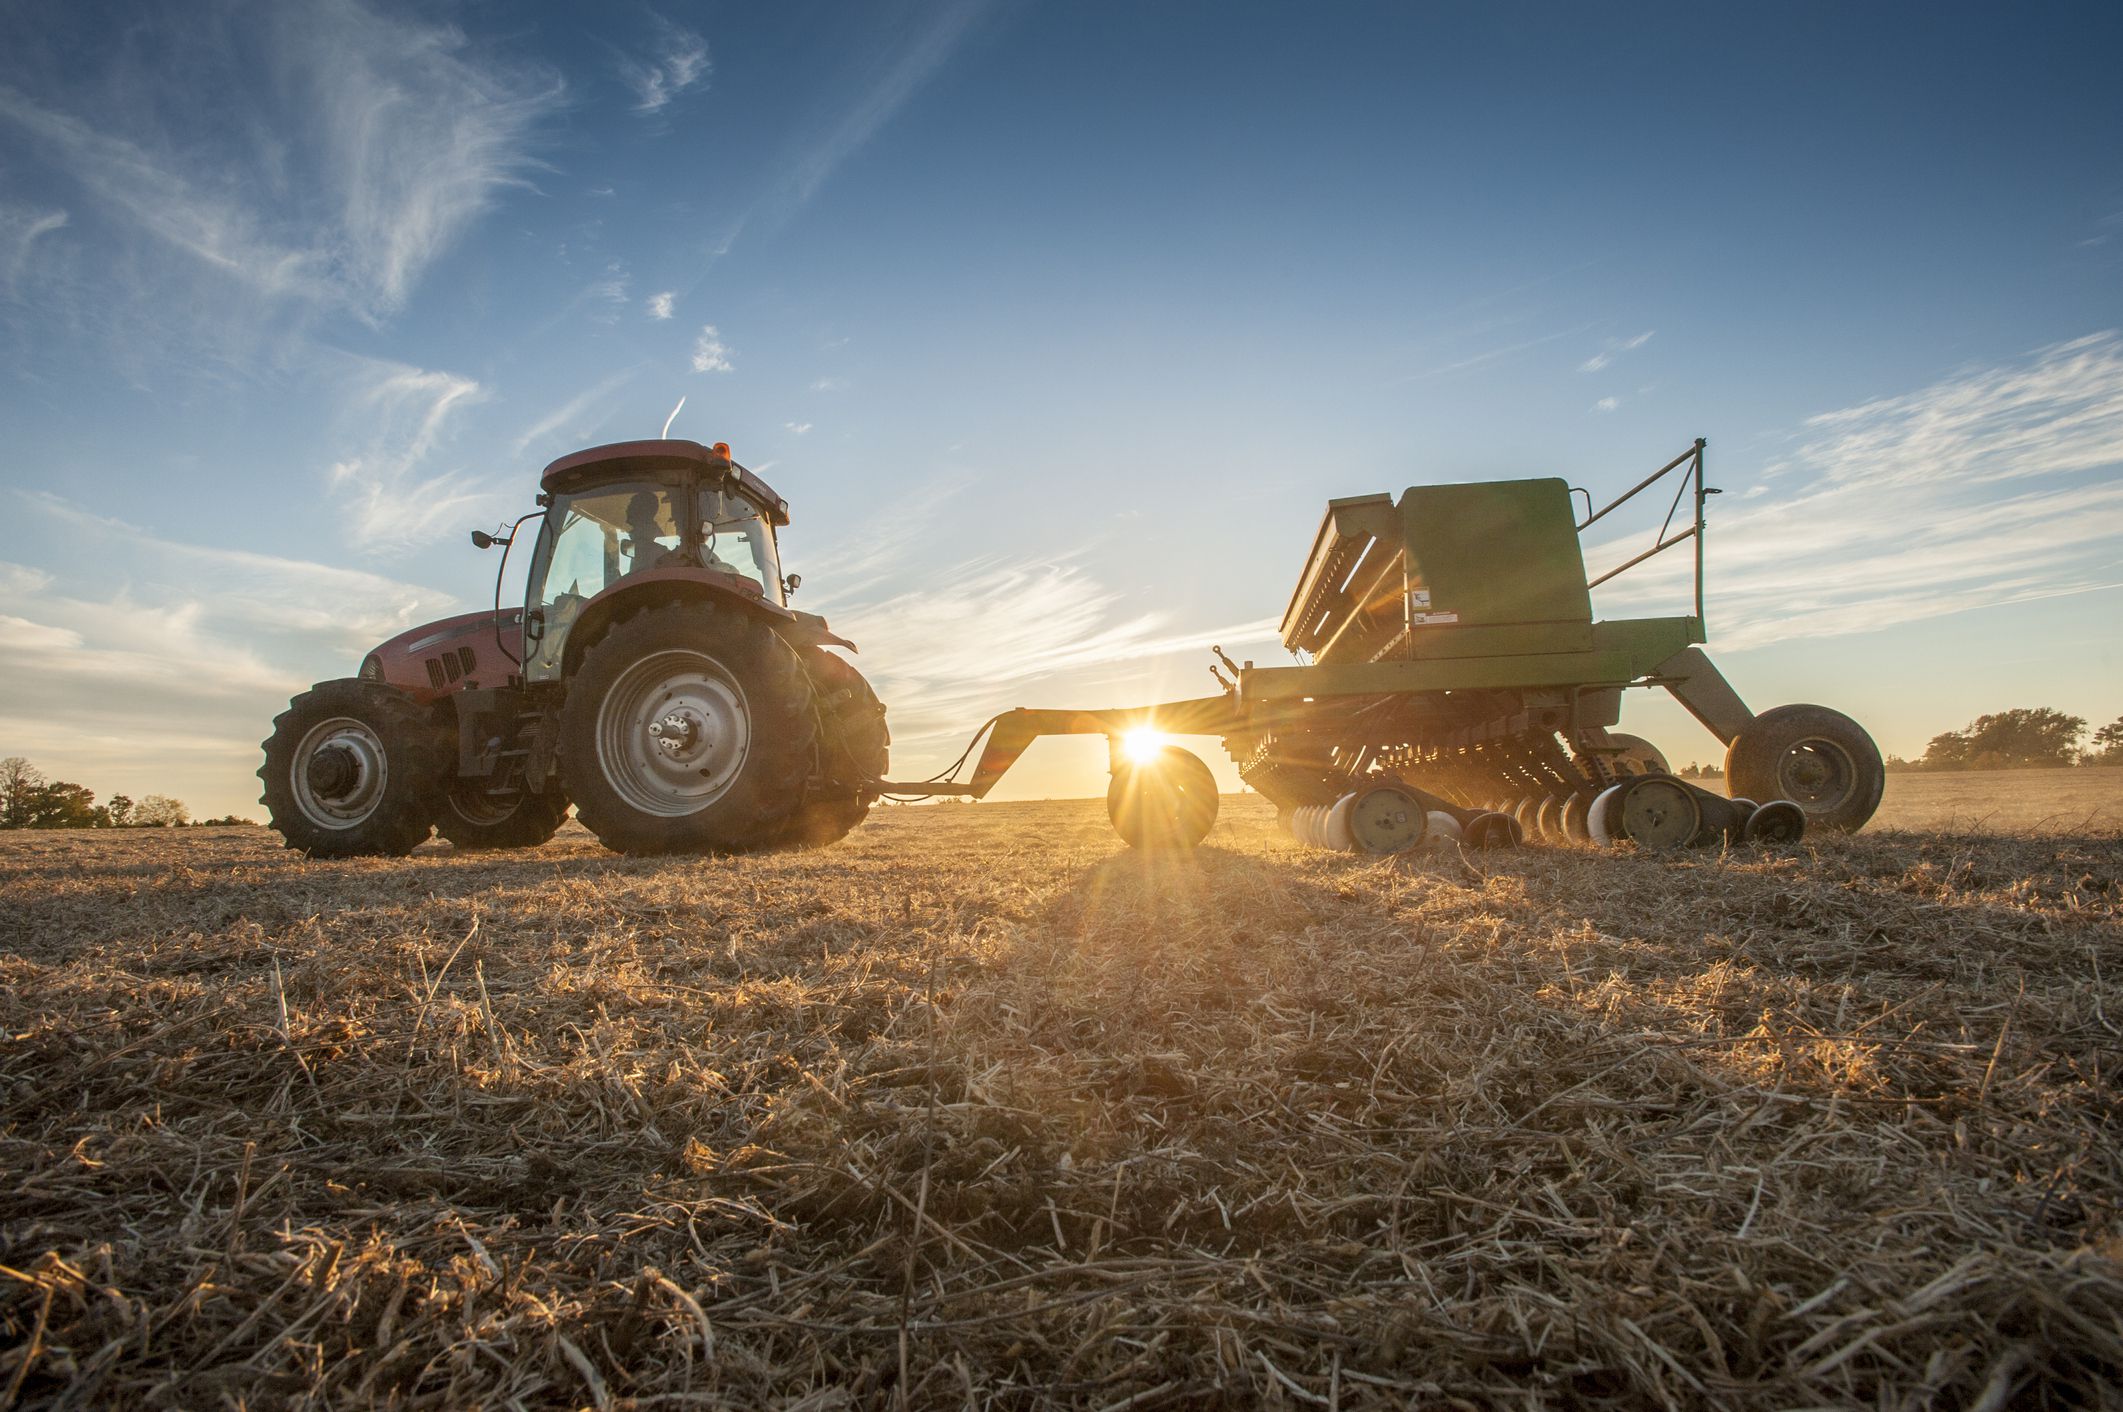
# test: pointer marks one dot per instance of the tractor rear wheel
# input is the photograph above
(472, 818)
(1820, 760)
(353, 768)
(688, 729)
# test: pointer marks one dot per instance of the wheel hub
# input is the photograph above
(334, 770)
(1817, 773)
(340, 772)
(678, 734)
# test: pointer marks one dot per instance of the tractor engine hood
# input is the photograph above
(438, 658)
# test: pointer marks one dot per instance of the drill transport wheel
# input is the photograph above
(353, 768)
(1819, 759)
(1168, 801)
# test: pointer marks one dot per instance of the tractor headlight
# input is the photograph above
(371, 668)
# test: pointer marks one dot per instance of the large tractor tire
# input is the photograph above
(473, 819)
(353, 768)
(1168, 801)
(857, 745)
(688, 728)
(1820, 760)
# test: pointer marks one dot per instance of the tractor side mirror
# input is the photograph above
(790, 584)
(482, 540)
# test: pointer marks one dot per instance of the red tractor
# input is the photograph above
(655, 677)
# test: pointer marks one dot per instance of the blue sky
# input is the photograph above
(1057, 325)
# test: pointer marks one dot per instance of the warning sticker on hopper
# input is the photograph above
(1422, 619)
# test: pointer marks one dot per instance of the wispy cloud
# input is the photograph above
(607, 294)
(678, 65)
(147, 189)
(397, 416)
(1487, 355)
(798, 428)
(660, 305)
(19, 579)
(1606, 404)
(19, 228)
(1993, 486)
(710, 353)
(1615, 348)
(240, 588)
(810, 162)
(830, 385)
(577, 414)
(383, 137)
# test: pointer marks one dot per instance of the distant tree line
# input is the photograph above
(2026, 737)
(28, 800)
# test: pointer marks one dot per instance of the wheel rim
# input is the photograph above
(339, 773)
(672, 733)
(1817, 773)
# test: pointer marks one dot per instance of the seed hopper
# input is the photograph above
(1451, 682)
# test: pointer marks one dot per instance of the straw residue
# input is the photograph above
(977, 1107)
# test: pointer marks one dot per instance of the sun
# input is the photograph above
(1143, 744)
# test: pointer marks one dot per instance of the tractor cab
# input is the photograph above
(639, 514)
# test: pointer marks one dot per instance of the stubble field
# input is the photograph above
(980, 1108)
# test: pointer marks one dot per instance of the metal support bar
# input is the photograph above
(1015, 730)
(1658, 548)
(1630, 494)
(1699, 686)
(1693, 458)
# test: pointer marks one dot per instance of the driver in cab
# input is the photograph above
(644, 513)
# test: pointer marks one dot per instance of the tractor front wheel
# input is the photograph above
(472, 818)
(353, 768)
(1820, 760)
(687, 729)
